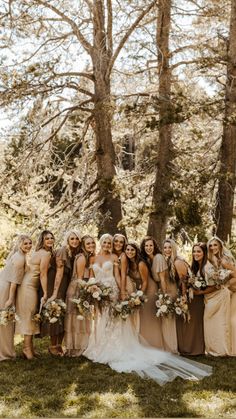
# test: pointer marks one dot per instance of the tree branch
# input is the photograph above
(127, 35)
(87, 46)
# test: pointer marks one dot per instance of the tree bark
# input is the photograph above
(110, 207)
(227, 181)
(162, 190)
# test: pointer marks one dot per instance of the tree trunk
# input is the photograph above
(227, 181)
(110, 208)
(162, 190)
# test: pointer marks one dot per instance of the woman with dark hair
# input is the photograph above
(137, 270)
(11, 277)
(150, 325)
(119, 242)
(27, 295)
(191, 334)
(77, 331)
(59, 277)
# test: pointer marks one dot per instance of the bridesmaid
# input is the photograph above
(58, 281)
(11, 277)
(150, 325)
(137, 275)
(27, 295)
(217, 316)
(77, 331)
(176, 280)
(118, 248)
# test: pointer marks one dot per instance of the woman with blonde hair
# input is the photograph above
(77, 331)
(27, 301)
(11, 277)
(59, 278)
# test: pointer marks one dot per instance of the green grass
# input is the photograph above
(76, 387)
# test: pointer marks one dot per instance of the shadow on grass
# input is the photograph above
(76, 387)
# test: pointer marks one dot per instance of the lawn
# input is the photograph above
(72, 387)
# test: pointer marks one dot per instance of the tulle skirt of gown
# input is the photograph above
(217, 322)
(115, 342)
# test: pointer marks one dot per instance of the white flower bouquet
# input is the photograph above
(51, 312)
(92, 294)
(181, 308)
(197, 282)
(124, 309)
(164, 304)
(219, 276)
(8, 315)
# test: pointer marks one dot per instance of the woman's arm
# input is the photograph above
(44, 266)
(208, 290)
(80, 266)
(11, 297)
(143, 270)
(123, 276)
(91, 262)
(58, 277)
(116, 270)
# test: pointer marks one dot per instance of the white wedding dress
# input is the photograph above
(115, 342)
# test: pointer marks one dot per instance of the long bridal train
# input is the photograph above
(115, 342)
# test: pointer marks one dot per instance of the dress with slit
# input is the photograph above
(13, 272)
(115, 342)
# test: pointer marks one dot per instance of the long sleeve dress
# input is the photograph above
(13, 272)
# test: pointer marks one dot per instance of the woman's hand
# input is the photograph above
(43, 299)
(52, 298)
(123, 295)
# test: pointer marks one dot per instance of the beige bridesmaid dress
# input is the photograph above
(151, 325)
(27, 300)
(13, 272)
(76, 331)
(168, 324)
(233, 323)
(217, 330)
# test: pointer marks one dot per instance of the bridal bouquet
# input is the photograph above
(197, 282)
(91, 294)
(8, 315)
(124, 309)
(164, 304)
(51, 312)
(181, 308)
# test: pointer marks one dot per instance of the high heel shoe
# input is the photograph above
(27, 353)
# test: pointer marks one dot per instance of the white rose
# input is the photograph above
(92, 281)
(118, 307)
(80, 317)
(86, 304)
(139, 293)
(82, 282)
(163, 308)
(178, 311)
(198, 284)
(53, 320)
(96, 294)
(124, 303)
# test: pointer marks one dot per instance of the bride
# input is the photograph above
(115, 341)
